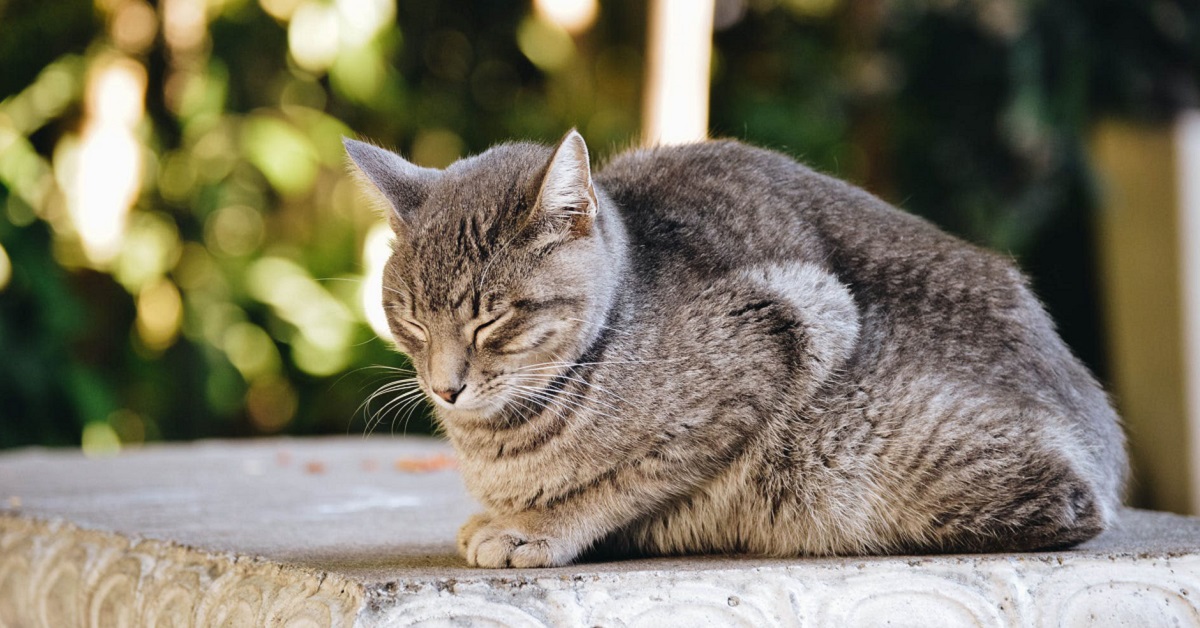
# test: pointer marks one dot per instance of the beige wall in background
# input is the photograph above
(1142, 255)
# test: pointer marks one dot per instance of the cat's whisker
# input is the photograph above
(578, 395)
(395, 405)
(560, 410)
(603, 392)
(407, 411)
(567, 403)
(392, 387)
(405, 388)
(549, 377)
(393, 290)
(371, 367)
(554, 365)
(600, 325)
(390, 369)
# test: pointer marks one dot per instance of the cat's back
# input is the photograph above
(718, 203)
(731, 204)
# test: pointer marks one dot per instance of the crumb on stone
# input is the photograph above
(425, 464)
(314, 467)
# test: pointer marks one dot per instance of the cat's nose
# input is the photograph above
(450, 395)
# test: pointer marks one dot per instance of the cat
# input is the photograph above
(710, 348)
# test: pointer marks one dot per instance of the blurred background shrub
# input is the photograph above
(182, 254)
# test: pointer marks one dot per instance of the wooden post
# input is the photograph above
(679, 55)
(1187, 160)
(1149, 238)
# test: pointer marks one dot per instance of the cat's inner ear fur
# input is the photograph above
(567, 200)
(403, 184)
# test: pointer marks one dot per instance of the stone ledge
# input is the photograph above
(53, 573)
(328, 532)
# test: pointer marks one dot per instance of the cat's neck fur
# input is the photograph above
(614, 243)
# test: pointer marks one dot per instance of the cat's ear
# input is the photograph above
(567, 198)
(404, 184)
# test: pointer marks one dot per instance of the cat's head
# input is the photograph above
(500, 268)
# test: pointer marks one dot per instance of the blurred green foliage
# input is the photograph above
(232, 302)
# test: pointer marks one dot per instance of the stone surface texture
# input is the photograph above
(354, 532)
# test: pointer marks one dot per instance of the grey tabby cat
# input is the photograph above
(711, 348)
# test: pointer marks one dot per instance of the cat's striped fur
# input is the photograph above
(711, 348)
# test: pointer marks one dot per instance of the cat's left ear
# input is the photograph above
(567, 198)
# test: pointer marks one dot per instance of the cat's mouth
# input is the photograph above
(465, 401)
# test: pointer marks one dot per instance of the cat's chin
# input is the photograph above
(480, 413)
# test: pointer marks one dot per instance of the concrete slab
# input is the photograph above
(353, 532)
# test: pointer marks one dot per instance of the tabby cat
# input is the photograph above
(711, 348)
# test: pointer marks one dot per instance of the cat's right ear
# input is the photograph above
(405, 185)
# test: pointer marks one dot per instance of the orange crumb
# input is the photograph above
(425, 464)
(314, 466)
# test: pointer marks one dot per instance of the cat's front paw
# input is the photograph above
(502, 543)
(468, 530)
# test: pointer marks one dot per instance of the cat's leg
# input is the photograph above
(558, 526)
(772, 336)
(1049, 507)
(1005, 487)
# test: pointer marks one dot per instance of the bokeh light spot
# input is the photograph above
(325, 325)
(5, 269)
(151, 249)
(129, 427)
(100, 440)
(185, 24)
(280, 9)
(363, 19)
(107, 164)
(282, 153)
(159, 313)
(235, 231)
(437, 148)
(574, 16)
(134, 26)
(251, 350)
(545, 44)
(313, 36)
(195, 269)
(271, 404)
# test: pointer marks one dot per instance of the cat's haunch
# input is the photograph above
(711, 348)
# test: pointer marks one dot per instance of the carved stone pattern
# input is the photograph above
(1017, 590)
(53, 574)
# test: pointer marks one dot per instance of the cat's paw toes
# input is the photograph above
(505, 546)
(468, 530)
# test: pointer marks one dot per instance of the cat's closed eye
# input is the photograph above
(483, 330)
(414, 328)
